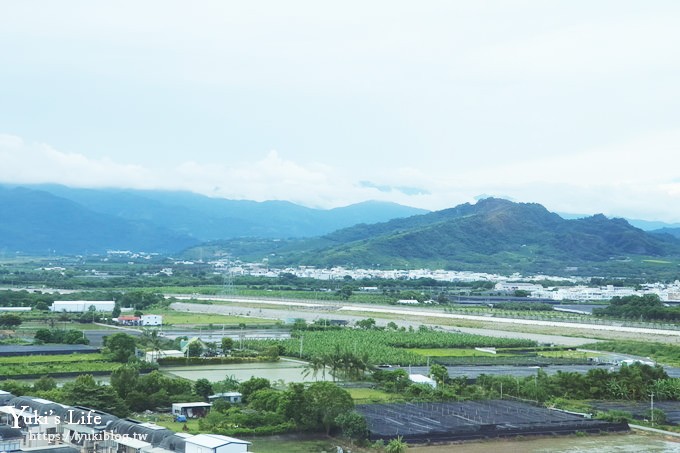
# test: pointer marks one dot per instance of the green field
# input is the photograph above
(384, 346)
(365, 395)
(33, 325)
(167, 421)
(43, 359)
(570, 354)
(47, 369)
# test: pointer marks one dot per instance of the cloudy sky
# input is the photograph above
(572, 104)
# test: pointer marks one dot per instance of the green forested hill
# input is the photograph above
(493, 234)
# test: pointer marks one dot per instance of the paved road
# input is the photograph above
(292, 311)
(337, 308)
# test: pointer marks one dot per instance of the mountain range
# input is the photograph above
(57, 219)
(492, 234)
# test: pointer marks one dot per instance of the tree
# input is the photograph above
(367, 323)
(195, 348)
(316, 363)
(345, 292)
(124, 379)
(439, 373)
(116, 311)
(84, 391)
(75, 337)
(324, 403)
(227, 345)
(203, 388)
(44, 384)
(120, 347)
(353, 425)
(221, 405)
(154, 342)
(252, 385)
(43, 335)
(10, 320)
(42, 306)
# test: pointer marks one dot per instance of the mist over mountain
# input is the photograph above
(37, 222)
(88, 220)
(492, 234)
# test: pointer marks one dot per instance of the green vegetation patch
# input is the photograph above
(660, 352)
(384, 346)
(68, 358)
(367, 395)
(48, 369)
(569, 354)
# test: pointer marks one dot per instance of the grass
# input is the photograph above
(33, 325)
(167, 421)
(570, 354)
(39, 360)
(366, 395)
(47, 369)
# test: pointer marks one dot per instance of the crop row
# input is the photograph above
(64, 358)
(54, 368)
(384, 346)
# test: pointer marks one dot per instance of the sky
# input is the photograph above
(571, 104)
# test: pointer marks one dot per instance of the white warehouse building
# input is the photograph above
(82, 306)
(215, 443)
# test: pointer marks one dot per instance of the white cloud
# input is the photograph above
(269, 178)
(636, 179)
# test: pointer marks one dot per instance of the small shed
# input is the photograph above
(422, 379)
(231, 397)
(191, 410)
(153, 356)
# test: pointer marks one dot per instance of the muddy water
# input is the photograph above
(285, 370)
(620, 443)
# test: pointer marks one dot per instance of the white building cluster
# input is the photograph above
(667, 293)
(504, 283)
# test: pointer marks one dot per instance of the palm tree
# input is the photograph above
(316, 364)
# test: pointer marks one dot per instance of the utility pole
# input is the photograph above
(651, 406)
(301, 340)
